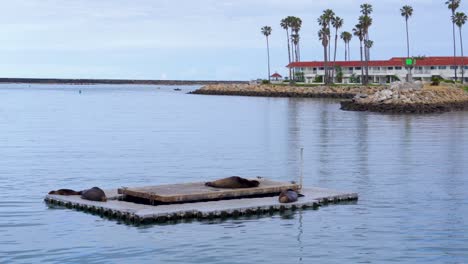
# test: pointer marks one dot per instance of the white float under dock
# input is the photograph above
(140, 213)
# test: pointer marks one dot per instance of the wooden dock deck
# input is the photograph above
(139, 213)
(197, 191)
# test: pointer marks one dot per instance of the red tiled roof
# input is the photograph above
(276, 75)
(428, 61)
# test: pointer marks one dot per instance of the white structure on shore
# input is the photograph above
(385, 71)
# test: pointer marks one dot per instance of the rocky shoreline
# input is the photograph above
(338, 92)
(399, 99)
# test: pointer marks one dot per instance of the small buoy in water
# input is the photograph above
(79, 91)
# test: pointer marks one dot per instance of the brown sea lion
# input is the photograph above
(94, 194)
(234, 182)
(65, 192)
(289, 196)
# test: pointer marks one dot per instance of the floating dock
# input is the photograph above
(134, 213)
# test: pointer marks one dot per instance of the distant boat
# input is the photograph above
(177, 89)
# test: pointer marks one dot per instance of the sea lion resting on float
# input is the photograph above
(289, 196)
(93, 194)
(234, 182)
(65, 192)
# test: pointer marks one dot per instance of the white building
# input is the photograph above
(386, 71)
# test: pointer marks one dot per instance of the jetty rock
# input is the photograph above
(401, 98)
(417, 85)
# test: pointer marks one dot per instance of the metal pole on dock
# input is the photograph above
(301, 179)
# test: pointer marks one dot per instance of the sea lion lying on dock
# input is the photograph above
(65, 192)
(289, 196)
(94, 194)
(234, 182)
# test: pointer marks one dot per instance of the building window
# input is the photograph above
(321, 68)
(376, 68)
(314, 69)
(466, 67)
(357, 68)
(350, 68)
(390, 68)
(453, 67)
(442, 67)
(433, 67)
(397, 68)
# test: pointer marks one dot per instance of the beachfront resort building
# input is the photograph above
(384, 71)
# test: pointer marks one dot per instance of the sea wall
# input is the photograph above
(341, 92)
(115, 81)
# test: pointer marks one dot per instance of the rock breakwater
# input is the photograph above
(417, 100)
(341, 92)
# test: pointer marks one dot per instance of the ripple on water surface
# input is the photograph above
(410, 172)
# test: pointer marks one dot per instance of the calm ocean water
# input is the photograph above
(411, 173)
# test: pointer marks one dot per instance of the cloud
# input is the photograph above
(122, 31)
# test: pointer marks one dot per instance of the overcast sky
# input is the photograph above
(186, 39)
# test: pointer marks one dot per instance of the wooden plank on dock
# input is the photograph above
(197, 191)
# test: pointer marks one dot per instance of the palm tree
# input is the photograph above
(329, 15)
(453, 5)
(285, 24)
(295, 24)
(366, 9)
(266, 30)
(366, 21)
(346, 37)
(323, 35)
(460, 19)
(407, 12)
(337, 23)
(358, 32)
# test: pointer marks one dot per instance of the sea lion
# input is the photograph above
(94, 194)
(65, 192)
(234, 182)
(289, 196)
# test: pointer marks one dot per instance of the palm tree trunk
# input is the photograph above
(334, 56)
(362, 65)
(349, 53)
(345, 51)
(407, 38)
(289, 54)
(366, 50)
(325, 55)
(462, 59)
(407, 49)
(454, 48)
(299, 51)
(268, 52)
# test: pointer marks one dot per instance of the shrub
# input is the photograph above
(318, 79)
(435, 80)
(447, 81)
(265, 82)
(353, 78)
